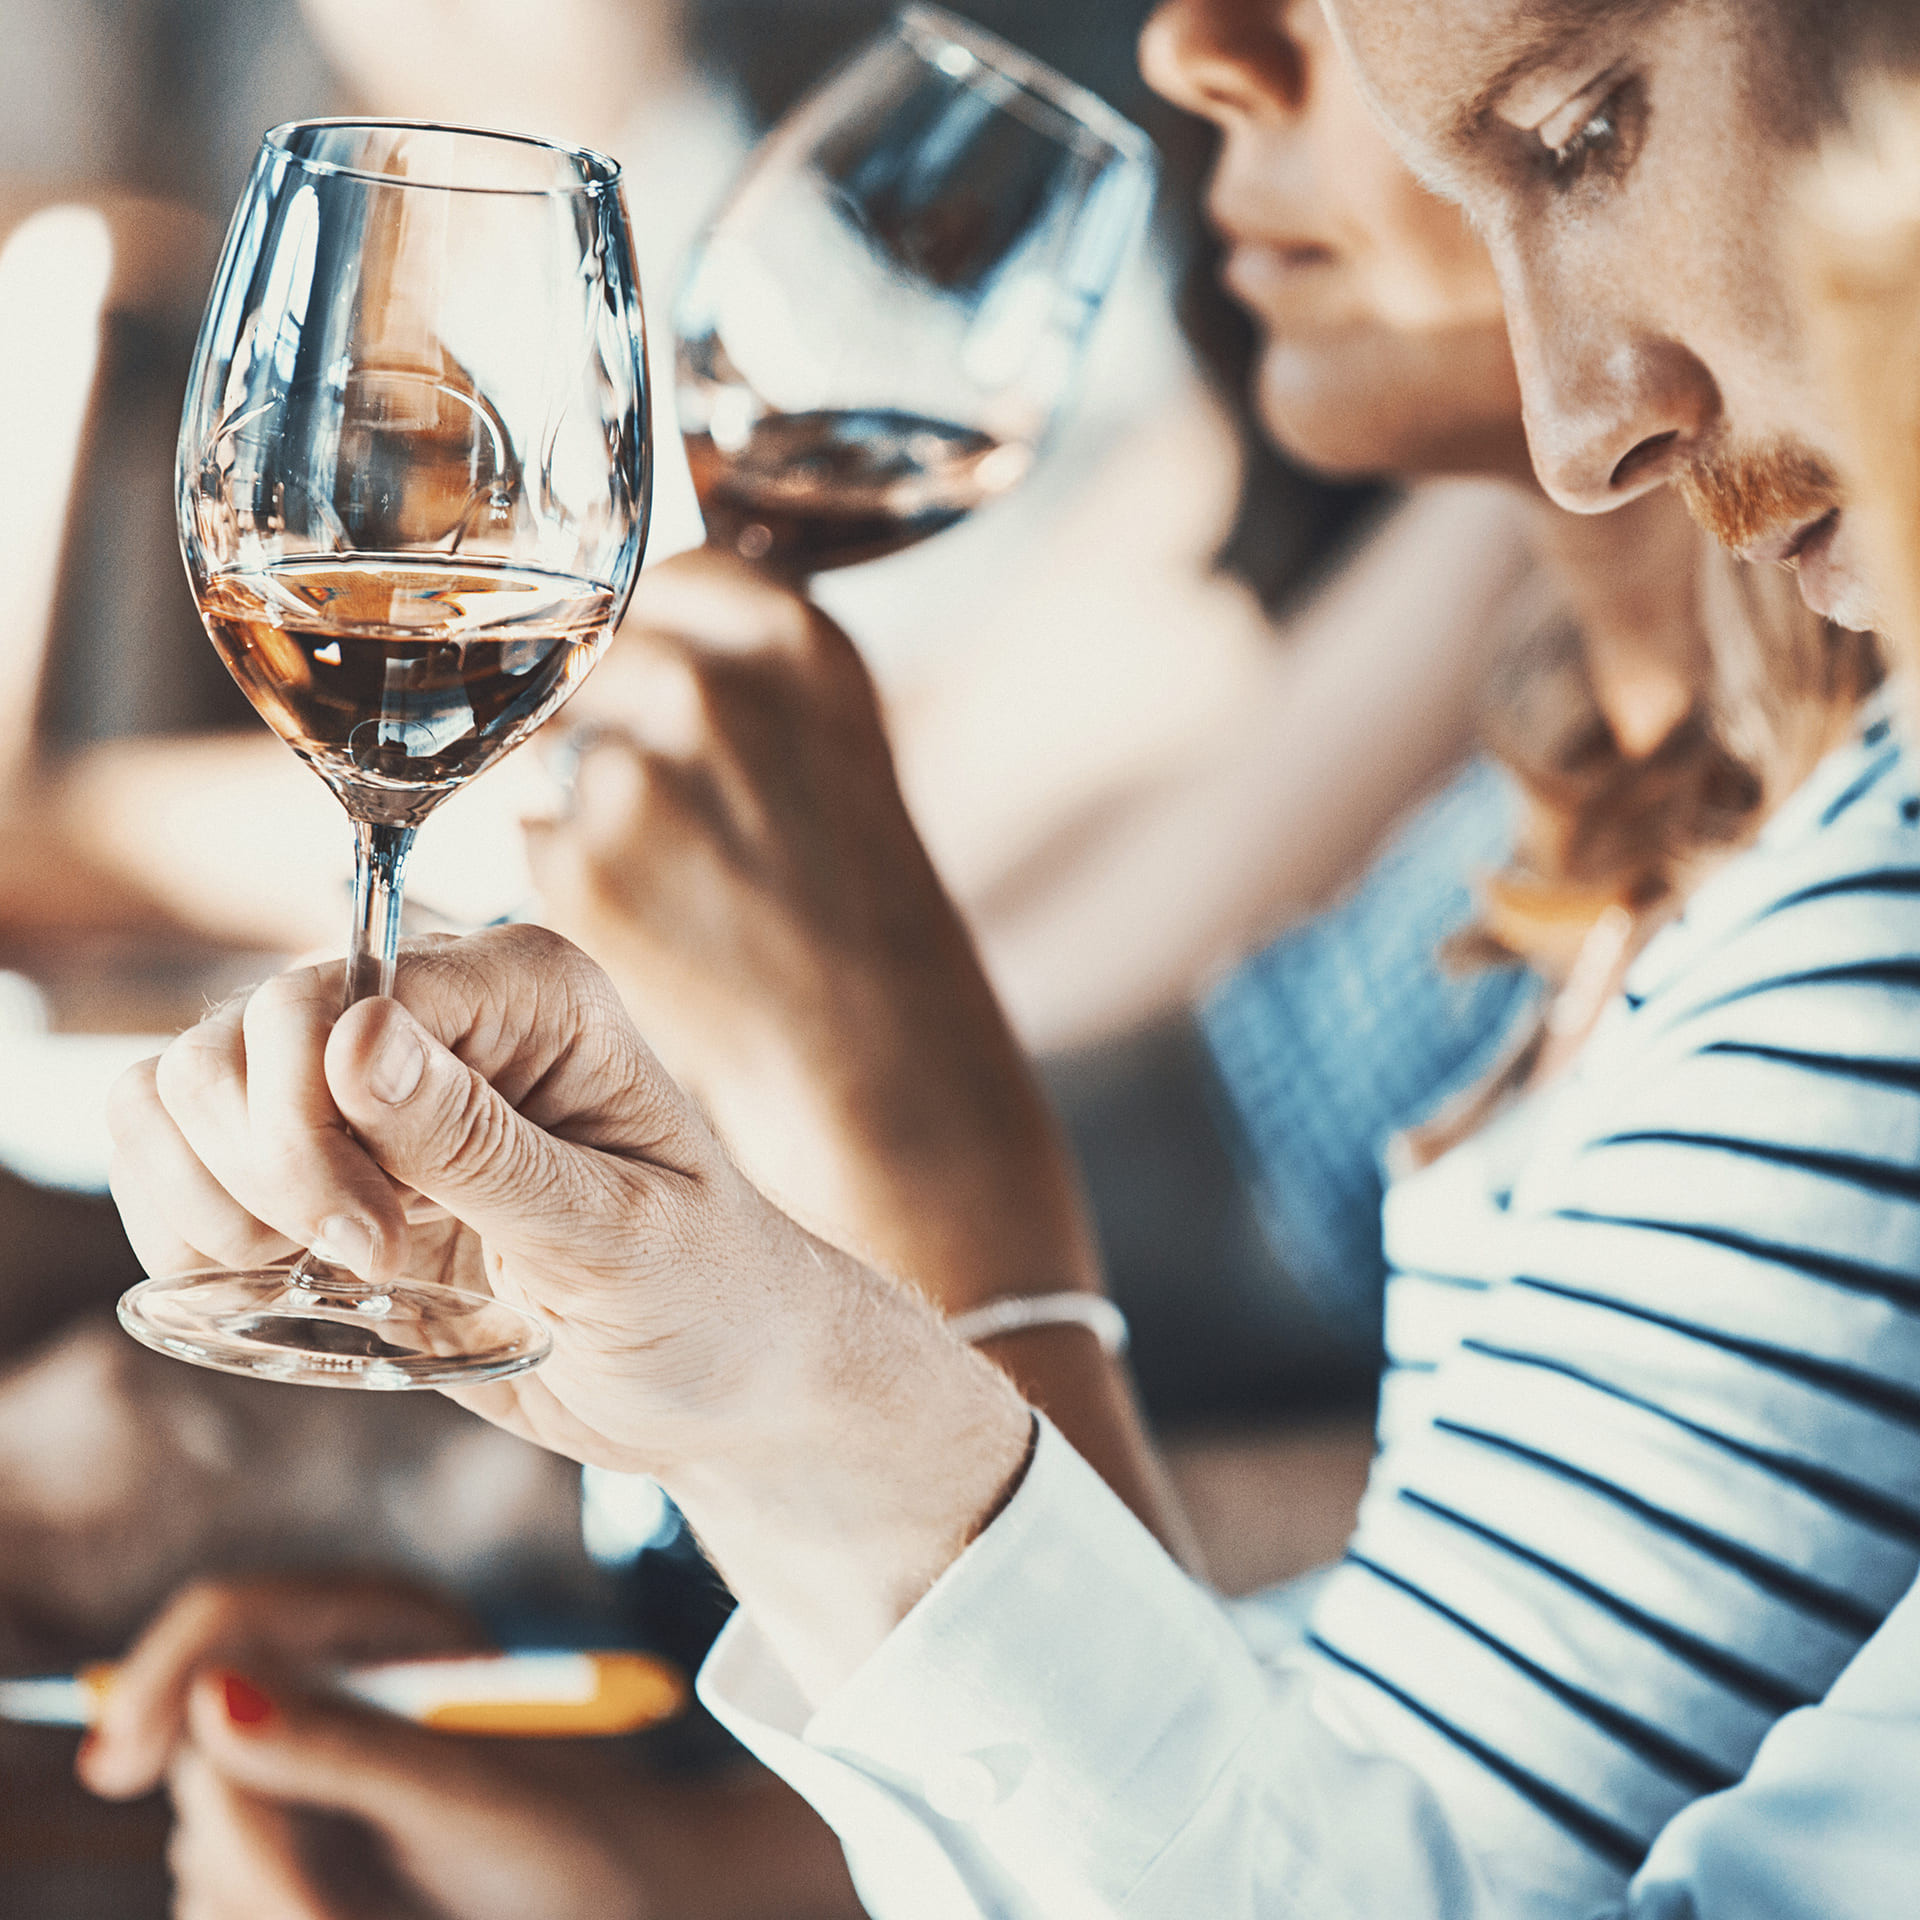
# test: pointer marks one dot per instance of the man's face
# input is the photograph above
(1629, 162)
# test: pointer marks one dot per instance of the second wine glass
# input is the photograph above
(413, 482)
(886, 317)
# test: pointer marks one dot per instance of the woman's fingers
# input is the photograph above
(285, 1622)
(234, 1855)
(340, 1757)
(726, 604)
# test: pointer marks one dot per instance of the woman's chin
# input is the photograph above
(1374, 404)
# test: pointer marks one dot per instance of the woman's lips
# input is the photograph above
(1265, 273)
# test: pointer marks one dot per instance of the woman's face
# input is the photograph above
(1385, 346)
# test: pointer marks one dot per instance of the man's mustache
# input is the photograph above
(1742, 497)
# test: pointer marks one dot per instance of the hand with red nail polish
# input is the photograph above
(247, 1705)
(210, 1699)
(284, 1625)
(418, 1823)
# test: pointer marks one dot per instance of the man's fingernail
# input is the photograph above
(345, 1241)
(246, 1705)
(395, 1069)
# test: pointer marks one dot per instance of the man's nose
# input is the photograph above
(1223, 59)
(1610, 415)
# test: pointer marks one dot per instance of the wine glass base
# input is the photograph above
(327, 1328)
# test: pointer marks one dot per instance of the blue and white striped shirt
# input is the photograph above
(1350, 1026)
(1650, 1440)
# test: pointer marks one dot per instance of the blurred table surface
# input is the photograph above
(124, 982)
(65, 1855)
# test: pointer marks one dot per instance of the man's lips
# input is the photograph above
(1798, 543)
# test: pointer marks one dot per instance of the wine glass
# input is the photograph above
(886, 316)
(413, 482)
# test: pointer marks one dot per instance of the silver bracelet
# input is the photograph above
(1094, 1311)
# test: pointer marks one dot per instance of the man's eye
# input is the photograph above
(1570, 159)
(1599, 145)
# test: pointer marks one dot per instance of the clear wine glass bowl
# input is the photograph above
(413, 483)
(885, 318)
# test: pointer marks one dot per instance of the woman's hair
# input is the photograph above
(1604, 828)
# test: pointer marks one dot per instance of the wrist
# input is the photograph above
(989, 1208)
(874, 1450)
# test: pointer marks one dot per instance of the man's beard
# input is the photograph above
(1743, 497)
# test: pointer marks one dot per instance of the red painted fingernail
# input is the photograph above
(89, 1743)
(247, 1706)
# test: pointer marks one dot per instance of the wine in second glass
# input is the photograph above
(413, 483)
(886, 317)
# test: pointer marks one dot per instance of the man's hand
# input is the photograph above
(741, 860)
(812, 1418)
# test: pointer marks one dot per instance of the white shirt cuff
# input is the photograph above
(1066, 1725)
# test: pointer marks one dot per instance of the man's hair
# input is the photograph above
(1885, 32)
(1853, 42)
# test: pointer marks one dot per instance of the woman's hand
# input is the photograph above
(304, 1809)
(742, 862)
(814, 1420)
(300, 1805)
(290, 1624)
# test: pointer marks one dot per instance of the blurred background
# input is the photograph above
(1058, 678)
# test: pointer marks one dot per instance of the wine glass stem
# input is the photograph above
(379, 868)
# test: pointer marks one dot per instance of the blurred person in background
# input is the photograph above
(1054, 677)
(801, 965)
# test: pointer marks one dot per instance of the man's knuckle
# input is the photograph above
(476, 1130)
(189, 1069)
(271, 996)
(131, 1100)
(523, 945)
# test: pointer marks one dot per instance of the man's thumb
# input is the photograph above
(437, 1126)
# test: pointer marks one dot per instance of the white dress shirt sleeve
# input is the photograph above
(1067, 1725)
(1824, 1826)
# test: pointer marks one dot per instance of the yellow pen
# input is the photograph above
(545, 1696)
